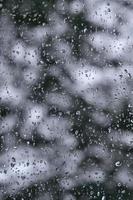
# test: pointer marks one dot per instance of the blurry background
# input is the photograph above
(66, 100)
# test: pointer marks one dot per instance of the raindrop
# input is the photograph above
(118, 164)
(103, 198)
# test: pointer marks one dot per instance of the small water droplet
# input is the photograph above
(98, 194)
(118, 164)
(103, 198)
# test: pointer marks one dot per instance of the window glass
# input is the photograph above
(66, 100)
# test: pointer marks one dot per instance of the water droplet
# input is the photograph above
(103, 198)
(118, 164)
(98, 194)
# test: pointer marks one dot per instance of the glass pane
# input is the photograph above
(66, 100)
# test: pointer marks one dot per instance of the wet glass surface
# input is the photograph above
(66, 100)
